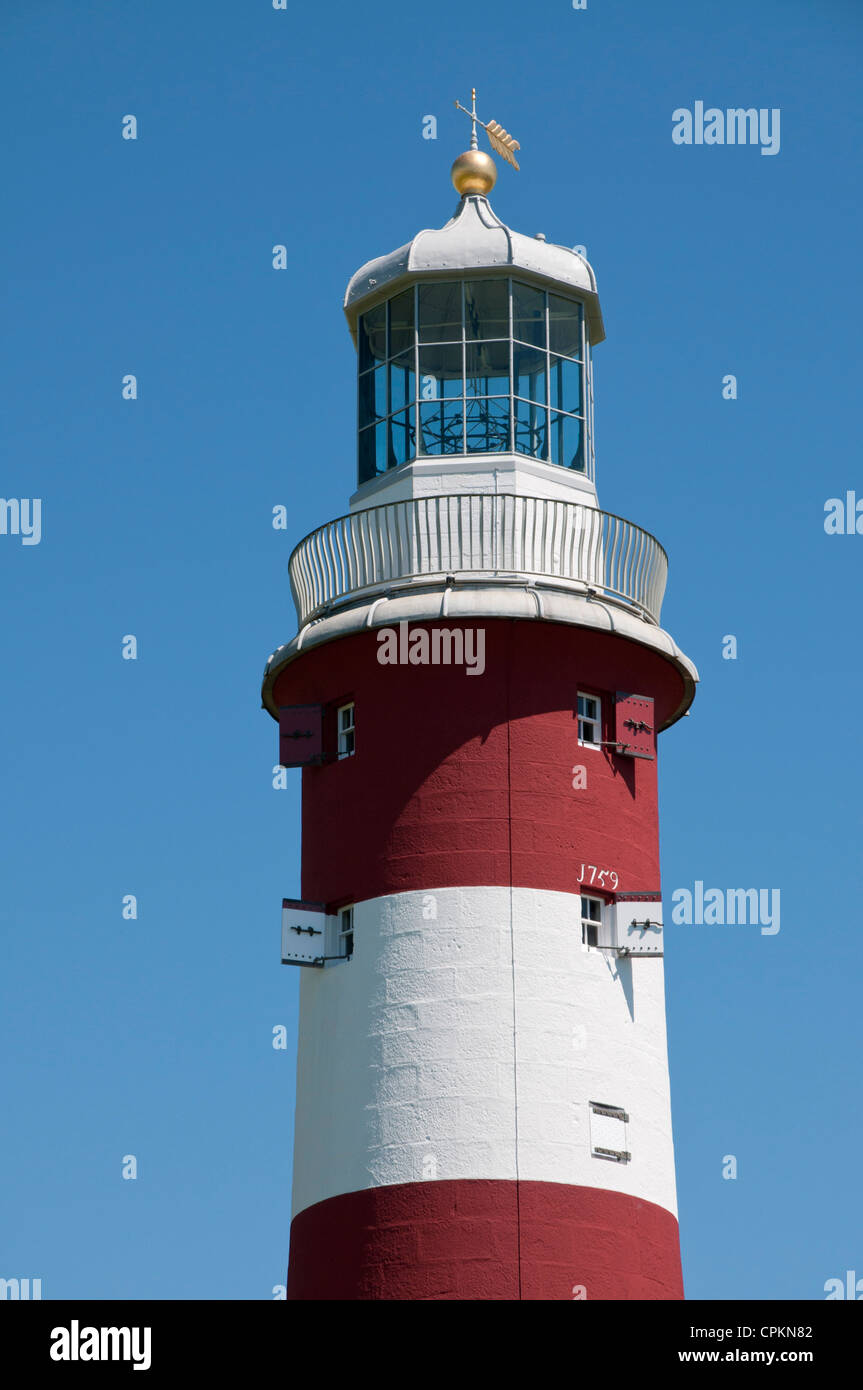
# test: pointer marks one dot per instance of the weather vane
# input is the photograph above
(502, 143)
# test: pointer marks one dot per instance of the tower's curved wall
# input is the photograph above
(446, 1073)
(465, 779)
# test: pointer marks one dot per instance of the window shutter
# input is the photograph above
(300, 735)
(304, 933)
(637, 925)
(634, 725)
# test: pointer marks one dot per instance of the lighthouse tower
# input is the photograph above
(474, 694)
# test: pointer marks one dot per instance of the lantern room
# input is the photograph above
(474, 357)
(472, 366)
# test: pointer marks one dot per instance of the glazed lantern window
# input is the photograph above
(483, 366)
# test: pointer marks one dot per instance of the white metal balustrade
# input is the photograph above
(482, 537)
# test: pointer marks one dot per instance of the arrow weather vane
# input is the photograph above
(502, 143)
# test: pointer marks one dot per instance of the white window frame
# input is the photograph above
(346, 732)
(595, 922)
(346, 931)
(586, 719)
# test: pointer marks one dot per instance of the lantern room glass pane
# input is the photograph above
(566, 441)
(402, 322)
(564, 326)
(372, 396)
(442, 427)
(401, 439)
(373, 451)
(440, 372)
(528, 314)
(487, 369)
(565, 381)
(403, 384)
(528, 369)
(486, 309)
(372, 337)
(366, 455)
(440, 312)
(431, 428)
(487, 425)
(531, 429)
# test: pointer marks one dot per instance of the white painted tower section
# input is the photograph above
(472, 1044)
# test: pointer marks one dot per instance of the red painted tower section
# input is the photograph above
(484, 1241)
(474, 695)
(460, 781)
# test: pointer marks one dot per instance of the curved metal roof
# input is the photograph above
(475, 239)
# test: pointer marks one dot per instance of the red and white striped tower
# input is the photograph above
(474, 695)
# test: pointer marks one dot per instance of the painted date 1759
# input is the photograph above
(592, 875)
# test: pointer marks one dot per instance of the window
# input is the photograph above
(591, 919)
(346, 932)
(473, 366)
(608, 1132)
(589, 721)
(347, 731)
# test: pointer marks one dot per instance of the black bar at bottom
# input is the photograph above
(83, 1338)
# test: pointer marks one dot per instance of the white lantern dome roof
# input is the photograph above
(475, 240)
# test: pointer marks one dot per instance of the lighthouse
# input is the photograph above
(474, 693)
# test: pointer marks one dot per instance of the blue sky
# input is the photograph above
(255, 127)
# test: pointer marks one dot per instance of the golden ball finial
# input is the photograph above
(474, 172)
